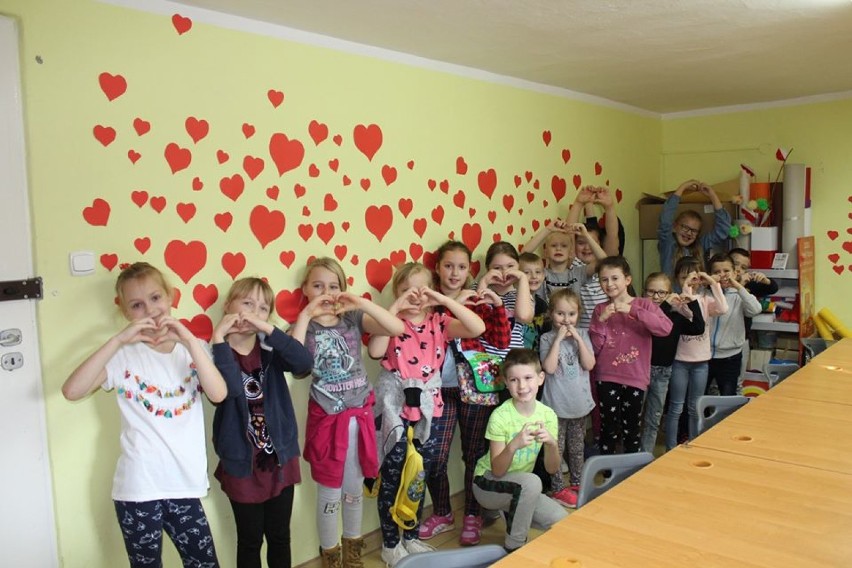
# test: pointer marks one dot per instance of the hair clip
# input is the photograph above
(124, 265)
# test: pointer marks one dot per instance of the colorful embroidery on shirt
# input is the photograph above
(626, 358)
(145, 388)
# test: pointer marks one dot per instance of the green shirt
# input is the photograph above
(505, 423)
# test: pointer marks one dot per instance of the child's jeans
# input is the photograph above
(687, 384)
(655, 398)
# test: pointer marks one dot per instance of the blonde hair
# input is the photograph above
(140, 271)
(329, 264)
(658, 276)
(695, 248)
(566, 295)
(406, 271)
(245, 286)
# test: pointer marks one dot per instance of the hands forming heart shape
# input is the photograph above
(154, 331)
(486, 296)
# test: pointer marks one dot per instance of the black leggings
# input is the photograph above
(621, 417)
(256, 520)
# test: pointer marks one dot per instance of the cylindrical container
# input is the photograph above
(793, 207)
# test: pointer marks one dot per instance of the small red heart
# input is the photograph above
(520, 211)
(338, 139)
(133, 156)
(351, 281)
(536, 184)
(458, 199)
(438, 214)
(546, 137)
(306, 212)
(141, 126)
(566, 155)
(313, 171)
(487, 181)
(397, 257)
(142, 244)
(368, 139)
(492, 216)
(432, 184)
(472, 212)
(346, 180)
(318, 132)
(325, 231)
(365, 183)
(275, 97)
(345, 225)
(508, 203)
(205, 296)
(535, 224)
(185, 211)
(451, 236)
(838, 269)
(287, 257)
(109, 261)
(510, 229)
(233, 263)
(523, 230)
(389, 174)
(847, 246)
(98, 213)
(248, 130)
(445, 186)
(181, 24)
(528, 175)
(178, 158)
(223, 221)
(496, 237)
(334, 164)
(833, 235)
(197, 129)
(530, 196)
(415, 250)
(420, 226)
(340, 252)
(410, 164)
(197, 184)
(354, 260)
(222, 156)
(518, 181)
(598, 168)
(299, 190)
(252, 166)
(544, 203)
(834, 258)
(113, 86)
(329, 203)
(306, 231)
(618, 195)
(577, 182)
(104, 134)
(140, 197)
(461, 166)
(405, 206)
(232, 187)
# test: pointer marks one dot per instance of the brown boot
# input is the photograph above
(352, 548)
(331, 557)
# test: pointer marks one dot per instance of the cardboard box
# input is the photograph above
(764, 238)
(757, 358)
(787, 355)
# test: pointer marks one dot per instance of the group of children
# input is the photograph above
(566, 334)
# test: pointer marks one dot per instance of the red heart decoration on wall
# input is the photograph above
(432, 184)
(458, 199)
(546, 136)
(566, 155)
(288, 304)
(185, 259)
(834, 258)
(248, 130)
(438, 214)
(365, 183)
(354, 260)
(410, 164)
(232, 187)
(618, 195)
(445, 186)
(345, 225)
(379, 273)
(325, 231)
(318, 132)
(287, 154)
(558, 186)
(141, 126)
(340, 252)
(158, 203)
(222, 156)
(299, 190)
(275, 97)
(113, 86)
(388, 174)
(142, 244)
(338, 139)
(838, 269)
(397, 257)
(104, 134)
(598, 168)
(98, 213)
(333, 164)
(461, 166)
(535, 224)
(197, 129)
(471, 212)
(379, 220)
(287, 257)
(508, 203)
(223, 221)
(233, 263)
(181, 24)
(253, 166)
(577, 181)
(178, 158)
(528, 175)
(510, 229)
(185, 211)
(487, 182)
(368, 139)
(492, 216)
(329, 203)
(346, 180)
(205, 296)
(175, 298)
(530, 196)
(266, 225)
(517, 181)
(133, 156)
(405, 206)
(200, 326)
(109, 261)
(471, 235)
(197, 184)
(420, 226)
(306, 231)
(833, 235)
(140, 197)
(415, 250)
(496, 237)
(847, 246)
(272, 192)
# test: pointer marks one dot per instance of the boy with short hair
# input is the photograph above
(517, 430)
(533, 266)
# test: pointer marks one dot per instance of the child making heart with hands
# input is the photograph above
(158, 369)
(408, 391)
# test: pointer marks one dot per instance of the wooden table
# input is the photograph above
(820, 381)
(697, 507)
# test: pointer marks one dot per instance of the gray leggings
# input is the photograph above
(350, 494)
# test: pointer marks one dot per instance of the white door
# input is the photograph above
(27, 526)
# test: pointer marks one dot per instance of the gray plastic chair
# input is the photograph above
(469, 557)
(719, 407)
(775, 372)
(620, 466)
(814, 346)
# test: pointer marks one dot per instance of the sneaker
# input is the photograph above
(435, 525)
(390, 556)
(490, 516)
(471, 529)
(566, 498)
(416, 545)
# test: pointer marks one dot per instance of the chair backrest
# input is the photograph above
(814, 346)
(469, 557)
(712, 409)
(619, 468)
(777, 372)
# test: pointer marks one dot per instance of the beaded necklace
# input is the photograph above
(153, 391)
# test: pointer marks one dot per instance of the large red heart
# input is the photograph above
(318, 132)
(200, 326)
(508, 203)
(325, 231)
(487, 182)
(287, 154)
(181, 24)
(158, 203)
(98, 213)
(233, 263)
(252, 166)
(205, 296)
(379, 273)
(104, 134)
(329, 203)
(438, 214)
(185, 211)
(368, 139)
(379, 220)
(196, 128)
(140, 197)
(288, 304)
(266, 225)
(223, 221)
(113, 86)
(141, 126)
(420, 226)
(287, 257)
(458, 199)
(546, 136)
(388, 174)
(461, 166)
(558, 185)
(471, 235)
(232, 186)
(178, 158)
(275, 97)
(405, 206)
(416, 251)
(185, 259)
(109, 261)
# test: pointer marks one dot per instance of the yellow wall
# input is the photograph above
(222, 76)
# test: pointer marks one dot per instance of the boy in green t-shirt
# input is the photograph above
(517, 431)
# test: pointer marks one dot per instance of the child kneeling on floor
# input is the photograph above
(517, 430)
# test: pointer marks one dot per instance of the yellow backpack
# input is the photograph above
(412, 487)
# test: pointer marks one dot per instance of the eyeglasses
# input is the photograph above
(689, 230)
(656, 293)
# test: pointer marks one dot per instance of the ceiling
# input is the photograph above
(661, 56)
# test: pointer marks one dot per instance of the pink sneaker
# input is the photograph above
(566, 498)
(471, 529)
(435, 525)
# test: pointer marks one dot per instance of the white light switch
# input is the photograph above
(82, 263)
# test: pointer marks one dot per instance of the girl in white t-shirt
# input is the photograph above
(158, 370)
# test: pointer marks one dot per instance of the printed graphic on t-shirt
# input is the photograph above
(333, 362)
